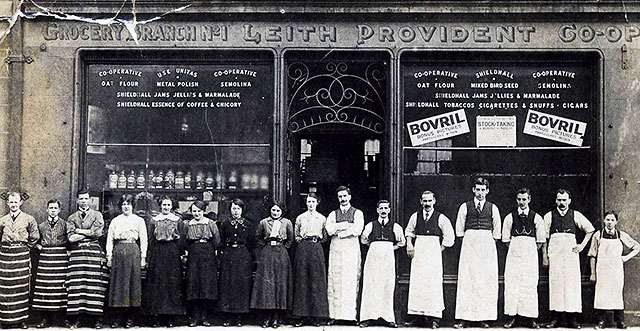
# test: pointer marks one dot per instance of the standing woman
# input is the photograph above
(272, 286)
(126, 259)
(163, 288)
(202, 284)
(310, 296)
(236, 265)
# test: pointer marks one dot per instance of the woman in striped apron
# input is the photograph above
(126, 259)
(50, 293)
(19, 234)
(203, 239)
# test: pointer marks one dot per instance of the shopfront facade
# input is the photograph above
(266, 101)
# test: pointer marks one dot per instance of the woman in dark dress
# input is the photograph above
(163, 295)
(236, 265)
(202, 285)
(310, 301)
(273, 284)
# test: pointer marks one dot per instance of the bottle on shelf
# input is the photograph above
(122, 180)
(169, 180)
(113, 180)
(199, 181)
(151, 177)
(219, 181)
(264, 182)
(131, 180)
(255, 181)
(159, 181)
(140, 180)
(233, 180)
(209, 181)
(179, 182)
(187, 181)
(245, 181)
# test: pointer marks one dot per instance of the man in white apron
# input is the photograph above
(384, 237)
(432, 232)
(608, 273)
(523, 232)
(562, 255)
(479, 223)
(344, 225)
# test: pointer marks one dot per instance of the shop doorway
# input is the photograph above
(337, 127)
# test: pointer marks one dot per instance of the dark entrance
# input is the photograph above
(337, 129)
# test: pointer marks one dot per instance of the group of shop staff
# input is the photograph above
(74, 275)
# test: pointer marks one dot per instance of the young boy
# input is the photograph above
(607, 270)
(50, 293)
(19, 234)
(383, 236)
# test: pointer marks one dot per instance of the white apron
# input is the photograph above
(425, 283)
(379, 282)
(477, 294)
(609, 275)
(565, 291)
(343, 278)
(521, 278)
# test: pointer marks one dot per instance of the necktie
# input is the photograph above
(479, 208)
(83, 214)
(52, 222)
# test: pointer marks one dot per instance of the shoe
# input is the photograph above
(23, 325)
(330, 322)
(226, 323)
(115, 325)
(510, 323)
(266, 323)
(534, 325)
(435, 324)
(409, 323)
(193, 323)
(392, 325)
(574, 325)
(552, 324)
(43, 324)
(155, 323)
(170, 325)
(238, 322)
(484, 325)
(66, 324)
(299, 323)
(98, 325)
(206, 323)
(275, 324)
(459, 325)
(621, 325)
(364, 324)
(600, 325)
(74, 325)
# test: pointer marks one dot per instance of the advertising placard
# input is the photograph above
(438, 127)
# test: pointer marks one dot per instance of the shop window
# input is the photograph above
(194, 126)
(520, 119)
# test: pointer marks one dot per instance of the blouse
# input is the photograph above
(165, 227)
(270, 229)
(129, 228)
(204, 228)
(236, 231)
(310, 224)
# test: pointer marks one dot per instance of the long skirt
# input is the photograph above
(477, 293)
(202, 283)
(273, 285)
(235, 280)
(310, 289)
(15, 265)
(163, 286)
(125, 288)
(87, 280)
(50, 293)
(378, 282)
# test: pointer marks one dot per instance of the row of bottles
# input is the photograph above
(186, 181)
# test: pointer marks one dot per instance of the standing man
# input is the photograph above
(19, 234)
(432, 232)
(384, 237)
(524, 233)
(478, 222)
(562, 255)
(87, 281)
(344, 226)
(50, 293)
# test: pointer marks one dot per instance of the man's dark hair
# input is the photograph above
(343, 188)
(481, 181)
(563, 191)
